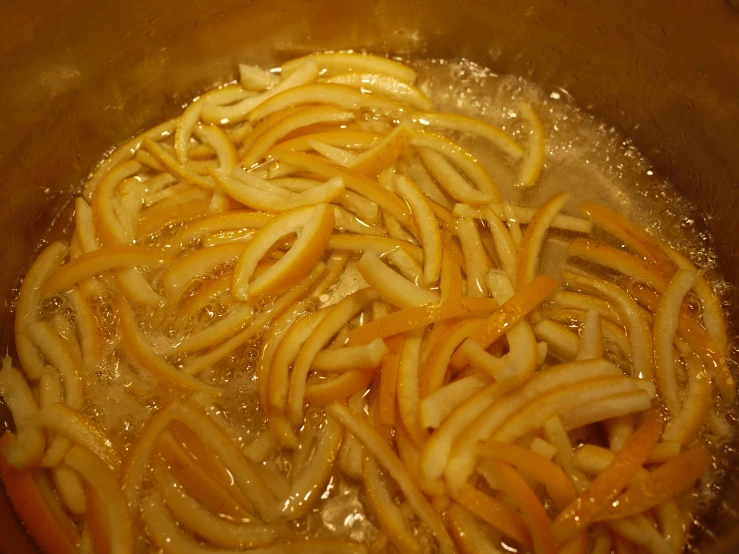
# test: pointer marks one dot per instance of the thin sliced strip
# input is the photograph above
(637, 326)
(371, 162)
(325, 93)
(257, 199)
(353, 181)
(28, 447)
(26, 307)
(533, 238)
(191, 515)
(617, 260)
(496, 513)
(108, 226)
(431, 143)
(200, 262)
(145, 356)
(79, 429)
(582, 511)
(385, 85)
(385, 509)
(527, 298)
(308, 485)
(535, 466)
(437, 366)
(666, 321)
(607, 409)
(667, 481)
(177, 169)
(303, 118)
(377, 447)
(306, 73)
(408, 386)
(685, 426)
(105, 484)
(477, 263)
(633, 236)
(55, 351)
(711, 311)
(394, 288)
(338, 316)
(100, 261)
(369, 243)
(314, 225)
(351, 357)
(126, 152)
(483, 416)
(333, 63)
(697, 338)
(591, 345)
(232, 220)
(435, 407)
(465, 124)
(47, 523)
(535, 157)
(518, 492)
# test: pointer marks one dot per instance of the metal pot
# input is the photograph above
(82, 75)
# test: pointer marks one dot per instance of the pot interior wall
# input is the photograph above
(82, 75)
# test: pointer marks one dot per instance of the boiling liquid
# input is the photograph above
(583, 156)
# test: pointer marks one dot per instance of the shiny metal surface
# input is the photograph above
(82, 75)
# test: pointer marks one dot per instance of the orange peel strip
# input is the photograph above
(464, 124)
(100, 261)
(236, 219)
(535, 157)
(337, 317)
(48, 524)
(191, 515)
(393, 288)
(105, 485)
(536, 466)
(377, 447)
(665, 482)
(383, 155)
(385, 85)
(334, 63)
(421, 316)
(484, 414)
(26, 308)
(527, 298)
(583, 510)
(303, 118)
(437, 366)
(477, 263)
(685, 426)
(385, 509)
(108, 226)
(28, 447)
(435, 407)
(324, 93)
(496, 513)
(353, 181)
(533, 238)
(637, 326)
(435, 149)
(351, 357)
(518, 493)
(407, 384)
(374, 244)
(666, 320)
(428, 227)
(202, 261)
(315, 225)
(145, 356)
